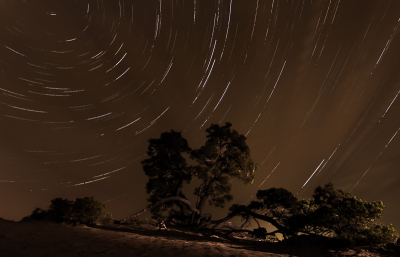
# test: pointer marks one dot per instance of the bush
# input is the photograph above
(83, 210)
(88, 210)
(260, 233)
(60, 210)
(38, 214)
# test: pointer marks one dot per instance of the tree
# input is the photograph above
(280, 205)
(330, 213)
(350, 219)
(87, 210)
(224, 156)
(61, 209)
(167, 169)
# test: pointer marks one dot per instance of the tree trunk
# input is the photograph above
(202, 203)
(261, 214)
(152, 206)
(230, 216)
(207, 215)
(279, 227)
(226, 224)
(234, 228)
(184, 209)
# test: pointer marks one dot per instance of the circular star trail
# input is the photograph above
(313, 85)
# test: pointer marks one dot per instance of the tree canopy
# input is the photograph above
(167, 170)
(224, 156)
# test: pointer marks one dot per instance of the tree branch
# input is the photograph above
(243, 208)
(233, 226)
(227, 224)
(252, 232)
(258, 223)
(230, 216)
(152, 206)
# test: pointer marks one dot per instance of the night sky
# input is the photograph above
(84, 84)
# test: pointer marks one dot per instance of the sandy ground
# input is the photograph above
(51, 239)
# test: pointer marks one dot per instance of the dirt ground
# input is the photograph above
(43, 239)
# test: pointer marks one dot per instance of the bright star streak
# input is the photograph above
(313, 173)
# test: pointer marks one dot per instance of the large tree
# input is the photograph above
(167, 170)
(224, 156)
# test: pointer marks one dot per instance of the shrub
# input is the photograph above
(88, 210)
(84, 210)
(260, 233)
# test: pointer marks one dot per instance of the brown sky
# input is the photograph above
(85, 84)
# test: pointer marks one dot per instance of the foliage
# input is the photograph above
(330, 213)
(88, 210)
(167, 170)
(260, 233)
(224, 156)
(61, 209)
(39, 214)
(83, 210)
(349, 218)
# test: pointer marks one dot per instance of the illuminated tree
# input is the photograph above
(224, 156)
(350, 219)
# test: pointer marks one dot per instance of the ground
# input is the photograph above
(36, 238)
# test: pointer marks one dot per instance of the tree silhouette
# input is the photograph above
(224, 156)
(61, 209)
(350, 219)
(331, 213)
(167, 170)
(87, 210)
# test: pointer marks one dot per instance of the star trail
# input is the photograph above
(313, 85)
